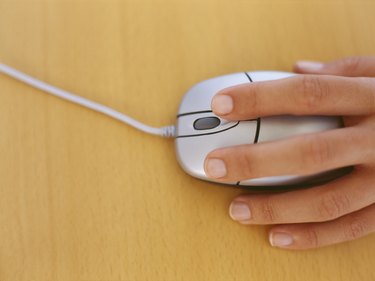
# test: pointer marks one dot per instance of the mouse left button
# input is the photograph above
(206, 123)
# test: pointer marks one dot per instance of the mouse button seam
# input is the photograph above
(257, 132)
(248, 76)
(192, 113)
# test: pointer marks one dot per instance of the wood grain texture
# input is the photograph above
(86, 198)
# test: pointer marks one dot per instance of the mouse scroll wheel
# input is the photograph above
(206, 123)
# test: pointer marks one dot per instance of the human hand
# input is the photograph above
(335, 212)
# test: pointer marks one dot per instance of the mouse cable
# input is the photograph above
(166, 131)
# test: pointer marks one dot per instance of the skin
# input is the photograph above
(335, 212)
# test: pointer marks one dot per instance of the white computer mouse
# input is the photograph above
(200, 131)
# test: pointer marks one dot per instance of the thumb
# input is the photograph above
(351, 66)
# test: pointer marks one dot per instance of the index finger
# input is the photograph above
(297, 95)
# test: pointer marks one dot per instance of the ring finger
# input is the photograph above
(323, 203)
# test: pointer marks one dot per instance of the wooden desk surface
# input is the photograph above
(84, 197)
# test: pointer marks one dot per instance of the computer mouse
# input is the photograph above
(199, 131)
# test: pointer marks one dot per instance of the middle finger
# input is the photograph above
(300, 155)
(324, 203)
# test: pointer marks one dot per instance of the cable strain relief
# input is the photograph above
(168, 131)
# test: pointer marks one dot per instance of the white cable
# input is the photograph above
(167, 131)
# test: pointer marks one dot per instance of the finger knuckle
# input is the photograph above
(371, 95)
(365, 89)
(312, 92)
(316, 152)
(251, 103)
(246, 165)
(332, 205)
(311, 237)
(268, 210)
(356, 228)
(350, 64)
(364, 138)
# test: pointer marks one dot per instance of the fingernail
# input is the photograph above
(280, 239)
(310, 65)
(222, 104)
(215, 168)
(239, 211)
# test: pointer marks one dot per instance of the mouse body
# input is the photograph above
(199, 130)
